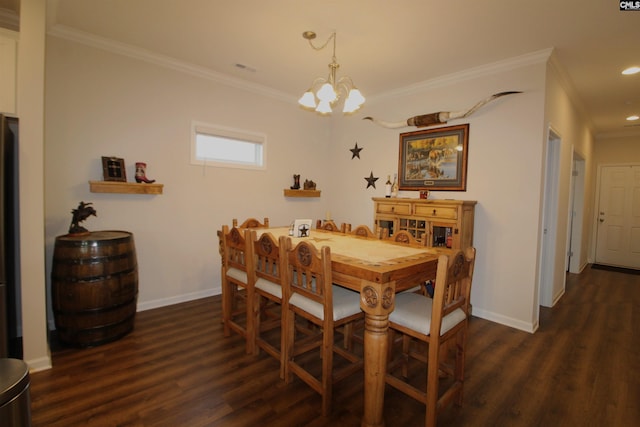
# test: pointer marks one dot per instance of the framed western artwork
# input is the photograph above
(113, 169)
(434, 159)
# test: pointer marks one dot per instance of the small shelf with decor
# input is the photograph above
(301, 193)
(124, 187)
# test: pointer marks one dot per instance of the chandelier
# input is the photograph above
(328, 91)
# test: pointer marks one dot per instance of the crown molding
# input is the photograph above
(629, 132)
(71, 34)
(541, 56)
(567, 85)
(471, 73)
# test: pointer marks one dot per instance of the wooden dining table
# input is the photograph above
(377, 269)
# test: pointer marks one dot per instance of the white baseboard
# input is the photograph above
(163, 302)
(40, 364)
(583, 266)
(504, 320)
(557, 297)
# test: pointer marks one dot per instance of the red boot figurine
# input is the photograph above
(141, 173)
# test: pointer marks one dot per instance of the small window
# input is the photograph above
(225, 147)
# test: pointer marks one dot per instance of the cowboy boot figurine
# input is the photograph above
(141, 173)
(296, 182)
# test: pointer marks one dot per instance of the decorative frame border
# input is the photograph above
(113, 169)
(434, 159)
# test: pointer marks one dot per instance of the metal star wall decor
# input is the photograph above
(355, 152)
(371, 180)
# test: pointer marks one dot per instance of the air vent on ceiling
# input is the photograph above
(245, 67)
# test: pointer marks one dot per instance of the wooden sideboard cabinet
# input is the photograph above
(447, 223)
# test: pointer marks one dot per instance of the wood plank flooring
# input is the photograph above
(581, 368)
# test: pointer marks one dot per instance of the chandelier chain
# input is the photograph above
(332, 36)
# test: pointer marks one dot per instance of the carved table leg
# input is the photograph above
(377, 302)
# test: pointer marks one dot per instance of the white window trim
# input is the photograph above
(232, 133)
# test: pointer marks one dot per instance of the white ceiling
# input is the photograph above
(383, 45)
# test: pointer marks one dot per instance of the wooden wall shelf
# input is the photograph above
(124, 187)
(301, 193)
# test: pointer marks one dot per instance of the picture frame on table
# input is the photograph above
(113, 169)
(434, 159)
(301, 227)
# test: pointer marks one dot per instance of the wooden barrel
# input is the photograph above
(94, 280)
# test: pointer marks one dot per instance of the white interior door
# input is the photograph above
(550, 219)
(618, 234)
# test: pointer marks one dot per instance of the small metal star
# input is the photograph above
(355, 152)
(371, 181)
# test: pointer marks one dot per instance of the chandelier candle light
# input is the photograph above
(329, 90)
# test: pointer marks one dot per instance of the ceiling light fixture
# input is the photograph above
(328, 91)
(631, 70)
(632, 118)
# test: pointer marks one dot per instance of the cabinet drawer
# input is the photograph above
(394, 208)
(443, 212)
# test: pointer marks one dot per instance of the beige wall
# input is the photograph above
(99, 104)
(105, 104)
(504, 174)
(616, 150)
(102, 103)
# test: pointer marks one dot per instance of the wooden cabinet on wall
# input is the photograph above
(447, 223)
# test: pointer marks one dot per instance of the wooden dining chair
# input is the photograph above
(364, 231)
(268, 288)
(404, 237)
(442, 324)
(238, 284)
(252, 223)
(329, 225)
(314, 298)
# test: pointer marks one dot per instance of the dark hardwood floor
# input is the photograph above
(581, 368)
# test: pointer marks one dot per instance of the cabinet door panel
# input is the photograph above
(444, 235)
(390, 224)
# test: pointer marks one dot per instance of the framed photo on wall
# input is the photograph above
(113, 169)
(434, 159)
